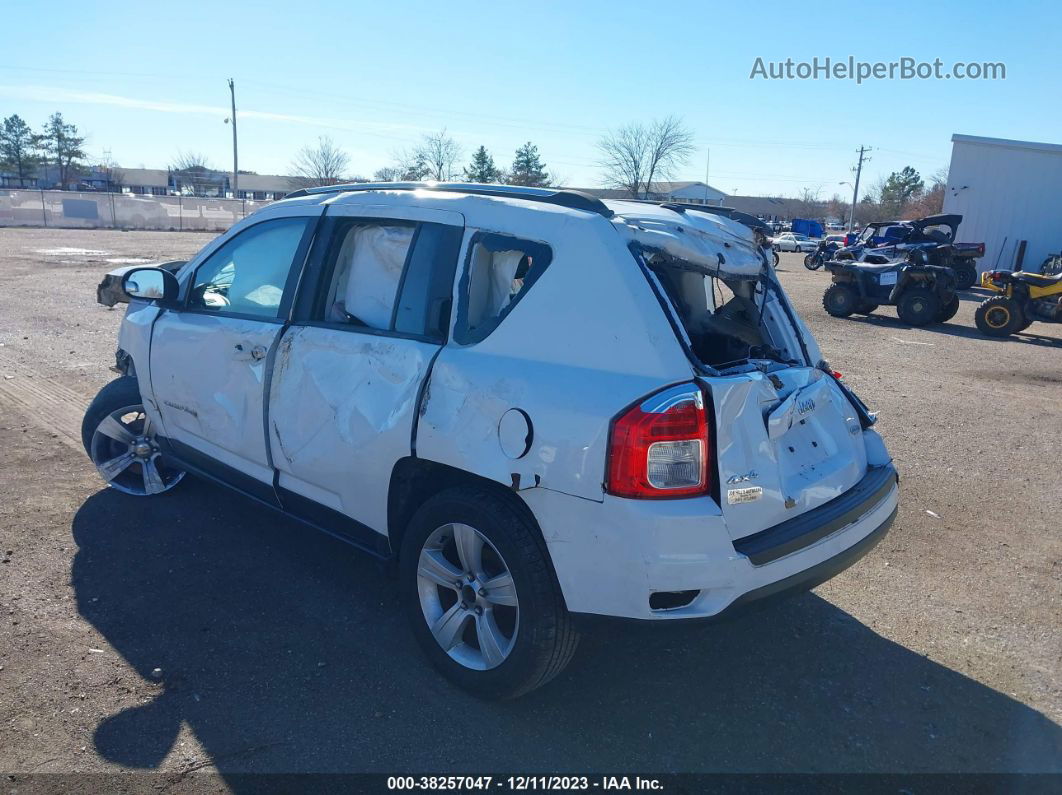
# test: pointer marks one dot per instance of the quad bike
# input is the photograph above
(934, 235)
(922, 293)
(1022, 299)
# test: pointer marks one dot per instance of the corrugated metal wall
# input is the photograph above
(1007, 193)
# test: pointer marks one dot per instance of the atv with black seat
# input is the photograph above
(1021, 298)
(922, 293)
(934, 235)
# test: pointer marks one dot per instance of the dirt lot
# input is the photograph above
(198, 631)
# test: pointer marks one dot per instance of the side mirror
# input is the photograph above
(152, 284)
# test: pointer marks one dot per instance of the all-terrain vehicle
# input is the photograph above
(891, 241)
(1022, 299)
(922, 293)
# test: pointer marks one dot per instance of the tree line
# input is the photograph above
(631, 158)
(24, 151)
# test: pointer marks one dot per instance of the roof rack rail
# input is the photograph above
(572, 199)
(751, 221)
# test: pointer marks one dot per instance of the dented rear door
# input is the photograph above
(347, 378)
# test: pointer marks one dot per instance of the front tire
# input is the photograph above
(947, 312)
(840, 300)
(998, 316)
(918, 306)
(481, 595)
(120, 440)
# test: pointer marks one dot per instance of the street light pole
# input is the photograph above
(235, 160)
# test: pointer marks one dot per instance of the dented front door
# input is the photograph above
(209, 360)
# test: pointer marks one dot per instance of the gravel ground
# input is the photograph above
(199, 631)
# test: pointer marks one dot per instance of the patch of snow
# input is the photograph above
(65, 251)
(126, 260)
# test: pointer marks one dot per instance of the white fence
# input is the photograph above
(69, 209)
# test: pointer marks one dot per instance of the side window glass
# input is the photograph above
(499, 271)
(247, 275)
(367, 264)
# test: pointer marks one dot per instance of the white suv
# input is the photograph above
(540, 406)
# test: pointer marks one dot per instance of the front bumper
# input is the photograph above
(611, 557)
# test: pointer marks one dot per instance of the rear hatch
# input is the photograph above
(786, 441)
(787, 436)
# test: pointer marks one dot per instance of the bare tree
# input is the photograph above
(637, 154)
(186, 161)
(623, 154)
(320, 164)
(193, 174)
(387, 174)
(669, 146)
(440, 154)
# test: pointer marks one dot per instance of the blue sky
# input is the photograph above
(144, 80)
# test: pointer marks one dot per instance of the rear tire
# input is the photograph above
(998, 316)
(966, 277)
(947, 312)
(840, 300)
(497, 649)
(918, 306)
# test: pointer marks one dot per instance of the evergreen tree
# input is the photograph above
(900, 188)
(482, 168)
(61, 141)
(528, 168)
(18, 147)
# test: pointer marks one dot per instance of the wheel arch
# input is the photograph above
(416, 480)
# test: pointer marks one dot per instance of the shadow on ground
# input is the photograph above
(1030, 336)
(284, 650)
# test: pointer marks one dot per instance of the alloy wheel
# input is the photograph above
(468, 597)
(127, 456)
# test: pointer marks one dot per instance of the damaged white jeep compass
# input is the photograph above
(539, 405)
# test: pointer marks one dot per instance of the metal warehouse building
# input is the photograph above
(1007, 192)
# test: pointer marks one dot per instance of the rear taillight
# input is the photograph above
(660, 447)
(981, 249)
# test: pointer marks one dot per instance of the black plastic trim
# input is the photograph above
(203, 465)
(804, 530)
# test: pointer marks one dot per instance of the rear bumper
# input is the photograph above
(611, 558)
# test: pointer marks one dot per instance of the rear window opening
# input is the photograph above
(725, 318)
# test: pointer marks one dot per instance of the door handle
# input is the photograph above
(245, 351)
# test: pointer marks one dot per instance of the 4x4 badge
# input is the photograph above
(750, 475)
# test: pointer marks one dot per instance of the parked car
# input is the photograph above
(789, 241)
(539, 407)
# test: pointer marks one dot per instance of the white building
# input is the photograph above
(1006, 192)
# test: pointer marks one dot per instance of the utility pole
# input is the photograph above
(235, 160)
(855, 190)
(707, 160)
